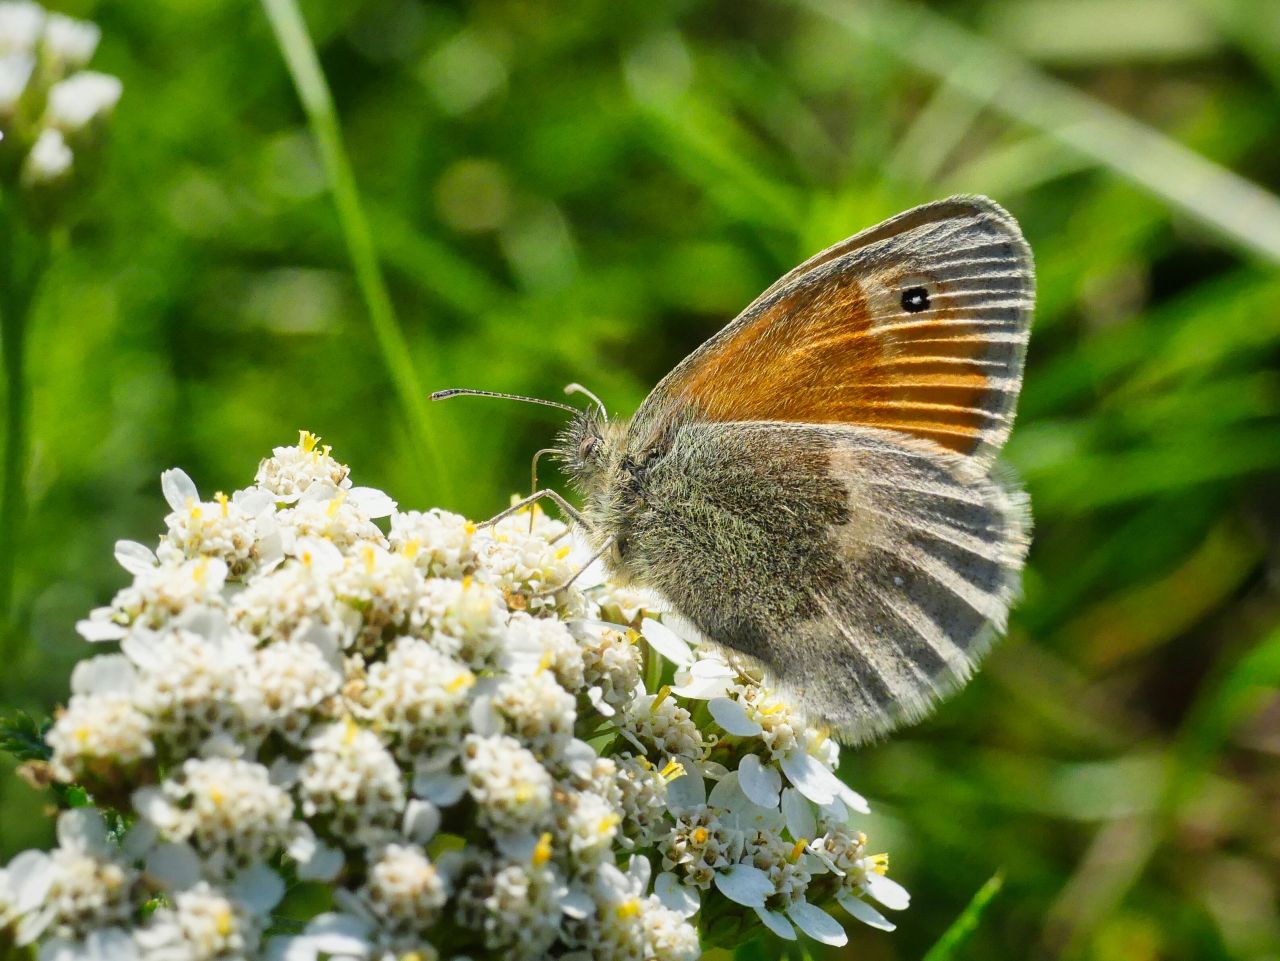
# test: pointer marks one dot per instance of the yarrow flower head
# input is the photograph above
(53, 112)
(407, 709)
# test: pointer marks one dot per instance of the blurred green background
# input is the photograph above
(584, 192)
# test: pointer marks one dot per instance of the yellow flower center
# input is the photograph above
(672, 770)
(307, 441)
(460, 683)
(700, 835)
(335, 505)
(880, 863)
(223, 500)
(542, 850)
(628, 909)
(664, 692)
(608, 823)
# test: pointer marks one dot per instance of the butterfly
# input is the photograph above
(816, 486)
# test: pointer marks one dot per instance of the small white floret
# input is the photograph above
(48, 160)
(68, 42)
(678, 897)
(816, 923)
(887, 891)
(863, 911)
(179, 489)
(731, 716)
(745, 885)
(761, 783)
(666, 642)
(777, 922)
(81, 99)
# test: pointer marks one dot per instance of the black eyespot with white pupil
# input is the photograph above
(915, 299)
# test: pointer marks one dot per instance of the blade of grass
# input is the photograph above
(962, 928)
(938, 129)
(1238, 209)
(308, 79)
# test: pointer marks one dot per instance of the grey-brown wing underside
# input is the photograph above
(866, 570)
(934, 557)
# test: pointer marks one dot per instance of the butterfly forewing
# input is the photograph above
(918, 325)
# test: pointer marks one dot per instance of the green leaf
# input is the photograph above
(23, 737)
(962, 928)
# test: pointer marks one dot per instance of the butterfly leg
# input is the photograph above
(533, 478)
(581, 570)
(570, 511)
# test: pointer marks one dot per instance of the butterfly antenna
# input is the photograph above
(579, 389)
(467, 392)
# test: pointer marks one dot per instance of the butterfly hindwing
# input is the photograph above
(933, 559)
(861, 568)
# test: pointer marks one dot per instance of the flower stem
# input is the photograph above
(308, 79)
(23, 257)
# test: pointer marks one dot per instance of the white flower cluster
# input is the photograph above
(316, 692)
(51, 109)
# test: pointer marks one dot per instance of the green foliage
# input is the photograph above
(23, 737)
(953, 940)
(587, 192)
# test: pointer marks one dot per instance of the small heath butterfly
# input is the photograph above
(814, 487)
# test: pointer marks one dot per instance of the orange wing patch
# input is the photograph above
(827, 354)
(918, 325)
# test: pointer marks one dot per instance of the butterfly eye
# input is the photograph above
(588, 447)
(915, 299)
